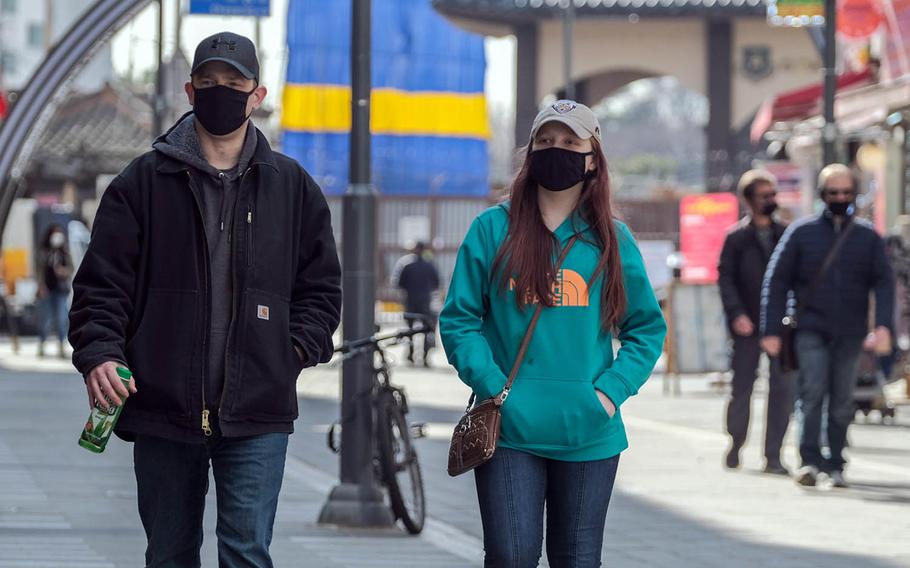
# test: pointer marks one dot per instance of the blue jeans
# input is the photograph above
(172, 481)
(827, 370)
(512, 489)
(54, 314)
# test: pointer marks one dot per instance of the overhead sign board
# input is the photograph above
(796, 13)
(257, 8)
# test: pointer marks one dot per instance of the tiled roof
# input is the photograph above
(516, 11)
(104, 131)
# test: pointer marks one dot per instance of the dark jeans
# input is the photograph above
(828, 369)
(512, 489)
(746, 354)
(54, 315)
(172, 480)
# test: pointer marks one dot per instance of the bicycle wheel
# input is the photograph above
(398, 461)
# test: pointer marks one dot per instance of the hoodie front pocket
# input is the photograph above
(599, 404)
(553, 413)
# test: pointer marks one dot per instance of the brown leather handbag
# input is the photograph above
(477, 433)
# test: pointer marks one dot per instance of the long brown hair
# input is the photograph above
(526, 256)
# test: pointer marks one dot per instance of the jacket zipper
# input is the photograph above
(249, 232)
(206, 427)
(233, 289)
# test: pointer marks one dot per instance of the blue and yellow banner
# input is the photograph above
(428, 110)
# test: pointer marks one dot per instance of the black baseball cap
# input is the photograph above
(233, 49)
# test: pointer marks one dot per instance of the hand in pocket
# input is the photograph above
(606, 403)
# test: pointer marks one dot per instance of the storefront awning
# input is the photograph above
(800, 104)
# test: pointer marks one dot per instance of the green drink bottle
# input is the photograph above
(101, 422)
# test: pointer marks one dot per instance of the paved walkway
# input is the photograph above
(674, 505)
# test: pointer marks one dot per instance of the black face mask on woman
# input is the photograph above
(220, 109)
(558, 169)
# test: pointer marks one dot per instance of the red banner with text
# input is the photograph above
(703, 224)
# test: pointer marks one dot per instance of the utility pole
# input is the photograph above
(258, 39)
(159, 105)
(48, 25)
(178, 27)
(358, 500)
(568, 29)
(829, 134)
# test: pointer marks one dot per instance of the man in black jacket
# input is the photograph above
(832, 315)
(419, 279)
(212, 274)
(743, 260)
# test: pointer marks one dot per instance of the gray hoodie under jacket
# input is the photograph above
(219, 195)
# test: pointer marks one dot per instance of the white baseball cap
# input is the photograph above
(575, 115)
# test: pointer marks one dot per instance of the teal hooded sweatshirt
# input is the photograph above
(552, 410)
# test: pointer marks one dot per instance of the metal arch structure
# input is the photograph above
(45, 90)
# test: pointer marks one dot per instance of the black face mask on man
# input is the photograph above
(558, 169)
(220, 109)
(768, 209)
(839, 208)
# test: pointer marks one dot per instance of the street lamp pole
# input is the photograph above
(159, 105)
(568, 29)
(829, 134)
(358, 500)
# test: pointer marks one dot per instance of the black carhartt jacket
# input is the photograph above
(142, 295)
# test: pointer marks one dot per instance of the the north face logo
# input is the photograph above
(569, 291)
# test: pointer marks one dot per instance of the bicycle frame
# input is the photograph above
(382, 374)
(393, 453)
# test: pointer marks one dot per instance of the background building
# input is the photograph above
(29, 28)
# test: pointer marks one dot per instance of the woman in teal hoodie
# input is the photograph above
(562, 430)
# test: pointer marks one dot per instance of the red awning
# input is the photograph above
(800, 104)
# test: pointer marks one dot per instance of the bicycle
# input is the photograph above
(394, 457)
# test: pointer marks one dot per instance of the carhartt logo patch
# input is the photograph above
(262, 312)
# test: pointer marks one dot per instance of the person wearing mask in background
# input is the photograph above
(56, 270)
(832, 305)
(213, 275)
(419, 280)
(743, 260)
(562, 430)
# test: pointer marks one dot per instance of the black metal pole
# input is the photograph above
(358, 500)
(178, 28)
(829, 134)
(568, 30)
(159, 104)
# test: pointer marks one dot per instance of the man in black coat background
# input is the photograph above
(743, 260)
(419, 280)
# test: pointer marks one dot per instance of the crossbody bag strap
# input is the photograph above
(826, 264)
(530, 333)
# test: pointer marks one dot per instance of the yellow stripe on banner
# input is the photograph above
(316, 108)
(327, 108)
